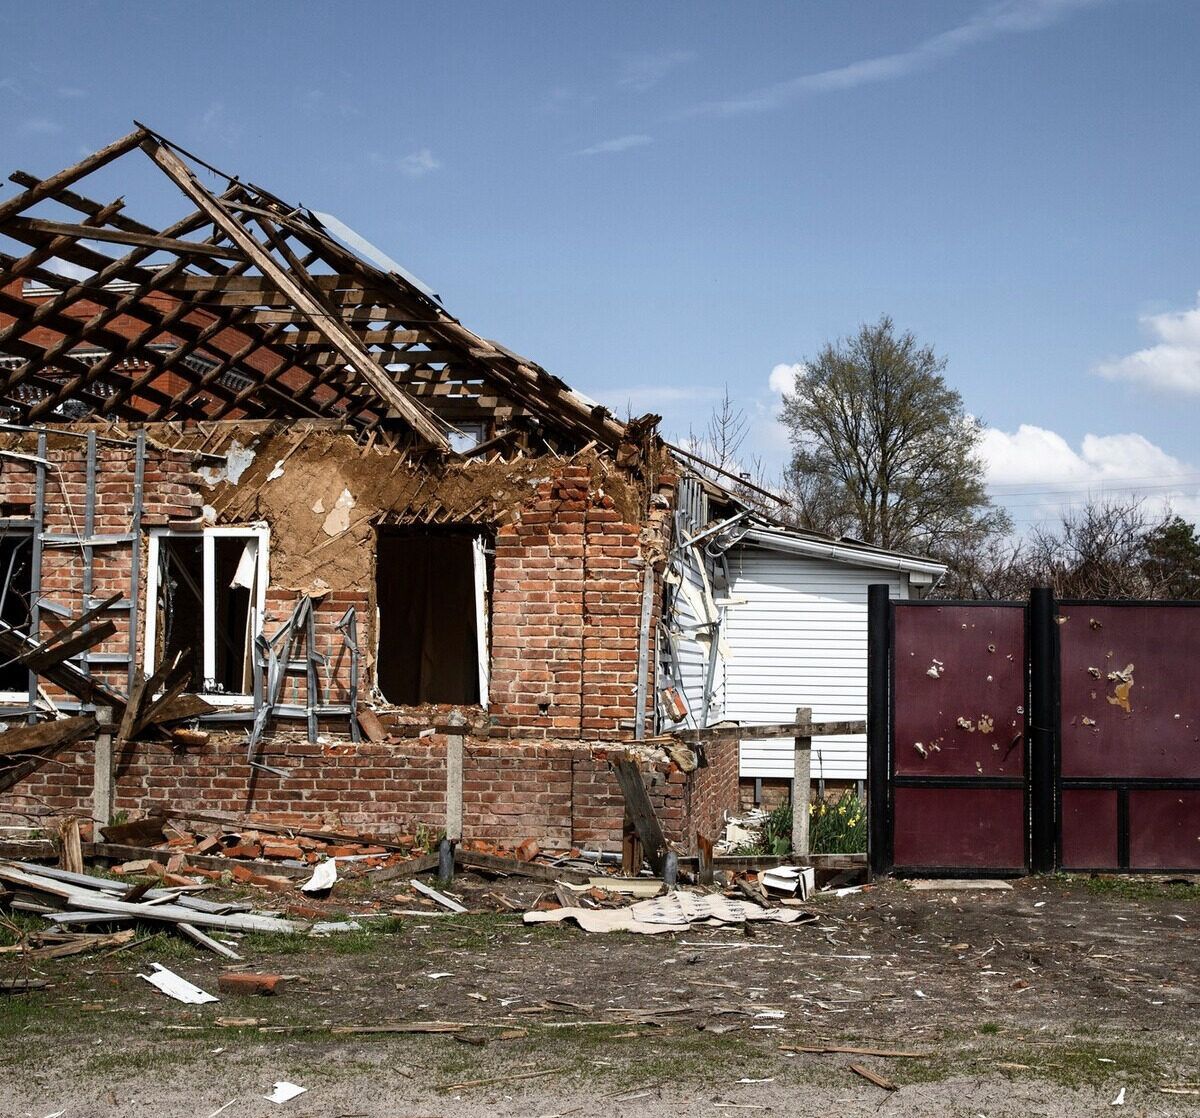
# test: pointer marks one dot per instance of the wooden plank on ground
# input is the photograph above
(470, 859)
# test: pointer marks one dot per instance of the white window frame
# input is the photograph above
(261, 533)
(482, 615)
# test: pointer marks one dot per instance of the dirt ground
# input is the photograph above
(1044, 1000)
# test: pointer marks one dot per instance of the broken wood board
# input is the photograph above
(830, 1049)
(468, 859)
(641, 813)
(94, 900)
(873, 1077)
(958, 885)
(45, 735)
(628, 886)
(436, 897)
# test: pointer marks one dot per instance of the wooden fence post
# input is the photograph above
(102, 769)
(801, 782)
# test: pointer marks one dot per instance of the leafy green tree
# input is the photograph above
(1172, 560)
(883, 449)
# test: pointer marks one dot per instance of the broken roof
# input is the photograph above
(245, 307)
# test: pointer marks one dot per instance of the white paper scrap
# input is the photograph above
(175, 987)
(1120, 1099)
(285, 1091)
(323, 877)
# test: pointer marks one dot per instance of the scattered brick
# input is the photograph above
(247, 985)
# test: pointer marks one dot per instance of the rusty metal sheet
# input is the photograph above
(959, 682)
(1129, 700)
(1164, 829)
(1089, 829)
(971, 828)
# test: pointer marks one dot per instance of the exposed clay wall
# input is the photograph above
(560, 793)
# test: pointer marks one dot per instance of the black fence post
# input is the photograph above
(879, 792)
(1043, 727)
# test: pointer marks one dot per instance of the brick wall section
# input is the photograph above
(567, 592)
(560, 793)
(566, 613)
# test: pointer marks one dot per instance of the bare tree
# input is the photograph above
(1103, 549)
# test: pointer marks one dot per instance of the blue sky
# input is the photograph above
(657, 200)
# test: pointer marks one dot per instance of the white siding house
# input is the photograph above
(788, 611)
(796, 635)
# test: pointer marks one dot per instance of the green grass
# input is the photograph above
(1137, 888)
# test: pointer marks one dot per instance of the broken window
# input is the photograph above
(432, 593)
(207, 593)
(16, 554)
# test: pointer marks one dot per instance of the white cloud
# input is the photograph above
(783, 377)
(1172, 364)
(1037, 472)
(418, 163)
(1005, 17)
(641, 72)
(621, 143)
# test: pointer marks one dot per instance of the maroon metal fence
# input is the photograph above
(1128, 766)
(1005, 737)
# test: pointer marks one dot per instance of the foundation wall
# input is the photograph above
(559, 793)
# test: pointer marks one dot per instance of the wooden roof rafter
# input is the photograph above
(259, 311)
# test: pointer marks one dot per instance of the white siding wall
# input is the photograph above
(800, 639)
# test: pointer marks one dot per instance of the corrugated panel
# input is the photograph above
(799, 639)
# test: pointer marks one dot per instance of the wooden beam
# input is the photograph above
(43, 735)
(48, 187)
(418, 417)
(16, 225)
(765, 730)
(641, 812)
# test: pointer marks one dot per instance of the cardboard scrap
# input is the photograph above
(664, 914)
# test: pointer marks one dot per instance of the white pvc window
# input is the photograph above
(206, 596)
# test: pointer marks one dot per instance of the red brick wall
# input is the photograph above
(567, 593)
(170, 494)
(562, 794)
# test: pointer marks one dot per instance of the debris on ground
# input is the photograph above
(672, 912)
(174, 986)
(284, 1092)
(66, 898)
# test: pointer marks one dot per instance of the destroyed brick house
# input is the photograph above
(278, 534)
(304, 540)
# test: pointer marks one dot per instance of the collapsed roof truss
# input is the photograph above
(246, 307)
